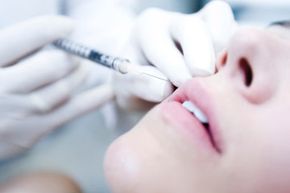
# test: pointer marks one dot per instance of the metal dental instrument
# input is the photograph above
(115, 63)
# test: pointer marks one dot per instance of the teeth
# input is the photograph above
(196, 111)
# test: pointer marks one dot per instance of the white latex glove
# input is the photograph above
(175, 46)
(37, 89)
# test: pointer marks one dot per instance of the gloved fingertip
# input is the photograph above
(202, 64)
(167, 92)
(150, 88)
(202, 72)
(180, 79)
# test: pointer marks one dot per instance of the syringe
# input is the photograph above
(115, 63)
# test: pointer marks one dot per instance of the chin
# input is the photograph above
(147, 160)
(125, 165)
(114, 167)
(132, 162)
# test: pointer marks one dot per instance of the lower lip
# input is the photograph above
(177, 117)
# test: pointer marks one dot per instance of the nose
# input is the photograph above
(248, 66)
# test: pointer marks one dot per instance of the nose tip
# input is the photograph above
(245, 62)
(244, 44)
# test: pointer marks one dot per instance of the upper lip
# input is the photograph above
(196, 92)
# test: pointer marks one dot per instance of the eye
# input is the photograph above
(285, 23)
(247, 71)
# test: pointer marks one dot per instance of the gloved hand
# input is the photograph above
(37, 89)
(175, 46)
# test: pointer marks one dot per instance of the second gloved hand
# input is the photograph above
(174, 46)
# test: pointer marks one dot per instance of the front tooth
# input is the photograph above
(197, 112)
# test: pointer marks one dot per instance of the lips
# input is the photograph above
(195, 92)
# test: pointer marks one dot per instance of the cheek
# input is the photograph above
(262, 158)
(276, 160)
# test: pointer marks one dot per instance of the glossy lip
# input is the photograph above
(195, 92)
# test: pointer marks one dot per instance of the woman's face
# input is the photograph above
(244, 148)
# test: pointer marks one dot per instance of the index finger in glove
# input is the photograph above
(161, 50)
(21, 39)
(194, 38)
(219, 19)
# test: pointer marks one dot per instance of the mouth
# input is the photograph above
(202, 118)
(195, 101)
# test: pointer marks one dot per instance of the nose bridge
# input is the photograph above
(247, 43)
(249, 65)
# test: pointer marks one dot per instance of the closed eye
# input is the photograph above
(284, 23)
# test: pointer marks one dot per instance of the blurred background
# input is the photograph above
(78, 148)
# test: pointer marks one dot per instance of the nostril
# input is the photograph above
(224, 59)
(247, 71)
(221, 60)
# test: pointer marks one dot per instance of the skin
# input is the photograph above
(250, 151)
(44, 182)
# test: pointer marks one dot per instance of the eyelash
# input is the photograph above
(284, 23)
